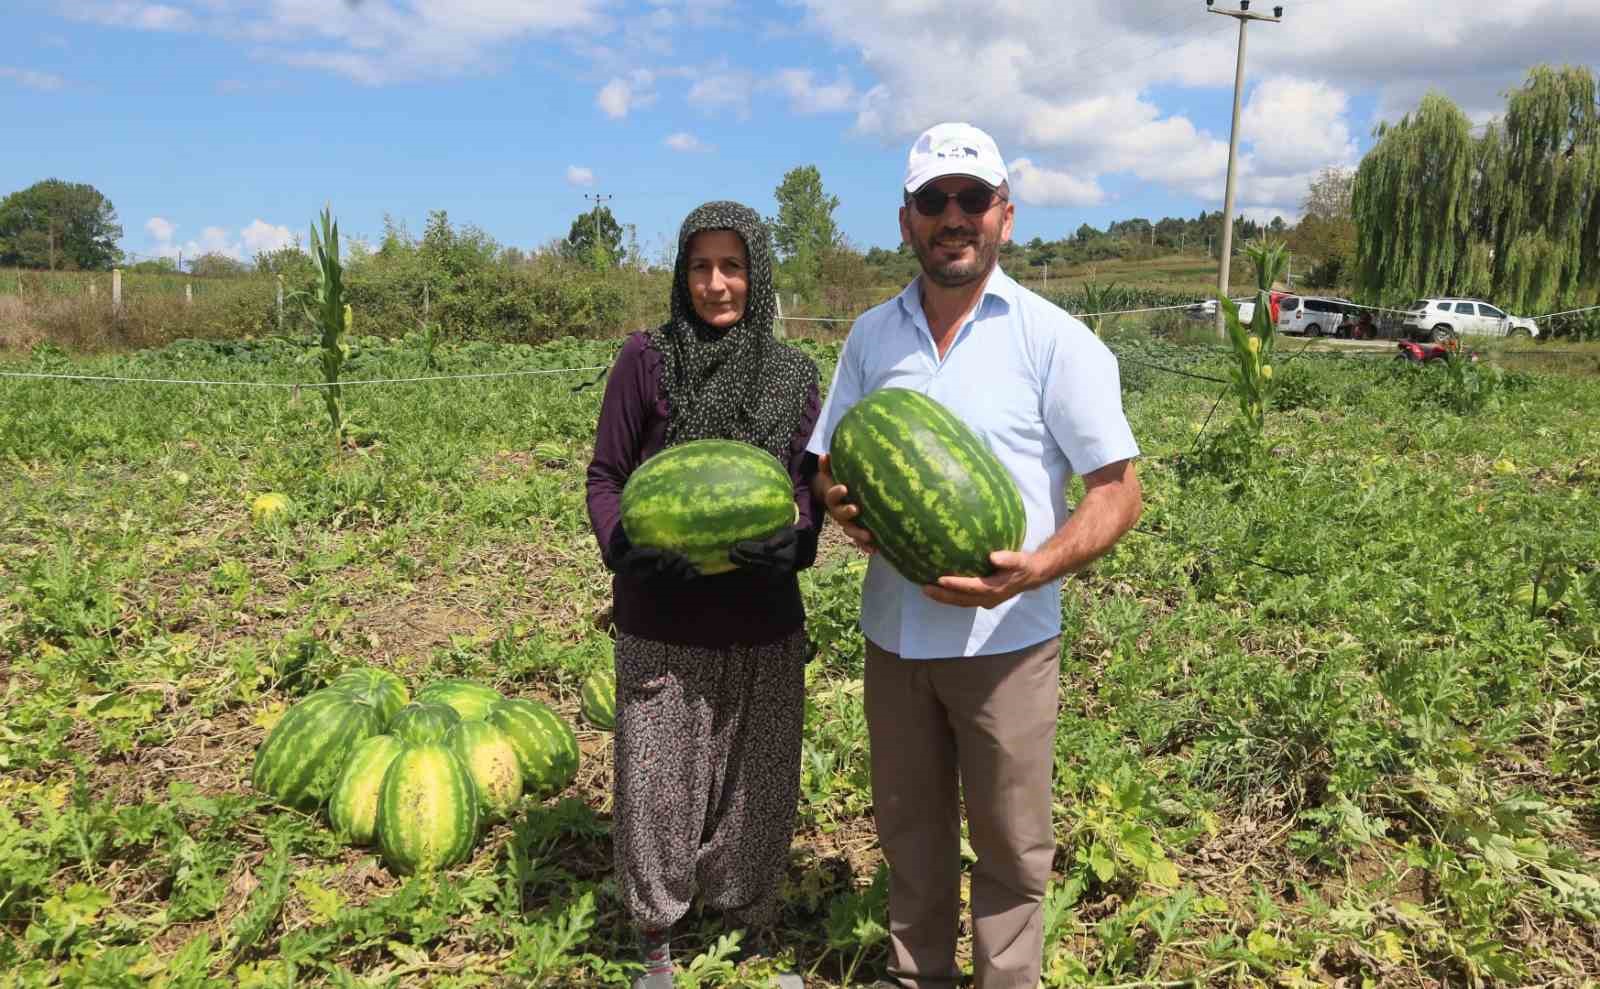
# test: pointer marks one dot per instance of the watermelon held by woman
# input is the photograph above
(470, 700)
(935, 498)
(353, 807)
(302, 757)
(420, 722)
(380, 688)
(428, 812)
(701, 497)
(547, 749)
(599, 700)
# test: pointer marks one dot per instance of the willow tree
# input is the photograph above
(1412, 202)
(1514, 214)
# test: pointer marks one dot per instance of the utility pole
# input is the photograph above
(598, 199)
(1244, 16)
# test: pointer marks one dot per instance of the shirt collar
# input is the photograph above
(999, 286)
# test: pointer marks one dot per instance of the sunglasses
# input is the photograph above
(974, 200)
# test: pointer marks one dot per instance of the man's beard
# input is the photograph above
(952, 274)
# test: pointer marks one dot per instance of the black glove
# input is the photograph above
(649, 565)
(776, 555)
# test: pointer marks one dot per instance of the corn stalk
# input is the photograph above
(327, 311)
(1252, 345)
(1102, 299)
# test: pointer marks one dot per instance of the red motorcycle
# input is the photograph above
(1424, 353)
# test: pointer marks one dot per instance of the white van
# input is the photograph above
(1311, 315)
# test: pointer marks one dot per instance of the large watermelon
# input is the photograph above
(417, 723)
(470, 700)
(936, 500)
(492, 760)
(547, 750)
(305, 752)
(380, 688)
(353, 807)
(600, 700)
(701, 497)
(427, 810)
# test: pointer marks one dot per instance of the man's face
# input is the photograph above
(955, 247)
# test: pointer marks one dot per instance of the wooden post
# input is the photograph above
(425, 306)
(188, 294)
(116, 290)
(280, 303)
(778, 329)
(91, 290)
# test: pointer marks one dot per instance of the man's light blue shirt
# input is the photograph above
(1040, 389)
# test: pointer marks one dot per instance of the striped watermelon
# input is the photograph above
(380, 688)
(470, 700)
(701, 497)
(492, 760)
(427, 810)
(353, 807)
(600, 700)
(547, 750)
(305, 752)
(936, 500)
(416, 723)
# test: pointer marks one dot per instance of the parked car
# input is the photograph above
(1445, 319)
(1312, 315)
(1207, 310)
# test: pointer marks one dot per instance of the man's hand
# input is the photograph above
(1013, 574)
(840, 510)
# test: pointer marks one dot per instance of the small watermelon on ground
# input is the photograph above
(935, 498)
(600, 700)
(427, 810)
(492, 760)
(269, 507)
(470, 700)
(380, 688)
(419, 722)
(701, 497)
(547, 750)
(303, 755)
(353, 807)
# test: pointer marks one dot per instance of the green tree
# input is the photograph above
(59, 225)
(595, 238)
(215, 265)
(804, 231)
(1514, 214)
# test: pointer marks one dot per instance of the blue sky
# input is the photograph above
(225, 124)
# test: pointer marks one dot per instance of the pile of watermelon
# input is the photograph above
(419, 776)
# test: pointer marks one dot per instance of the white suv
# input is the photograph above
(1444, 319)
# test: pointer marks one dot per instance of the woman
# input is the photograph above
(710, 670)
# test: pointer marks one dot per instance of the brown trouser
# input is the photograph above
(989, 722)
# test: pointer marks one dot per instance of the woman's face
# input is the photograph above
(719, 277)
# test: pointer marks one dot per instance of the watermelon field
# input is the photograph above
(1330, 716)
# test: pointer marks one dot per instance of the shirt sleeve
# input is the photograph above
(1082, 401)
(847, 389)
(619, 437)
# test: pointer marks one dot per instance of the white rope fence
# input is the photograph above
(296, 385)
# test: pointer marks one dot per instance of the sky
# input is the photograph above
(225, 125)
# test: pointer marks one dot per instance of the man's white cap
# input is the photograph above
(954, 149)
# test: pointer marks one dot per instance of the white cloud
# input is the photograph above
(160, 229)
(258, 236)
(1113, 88)
(620, 96)
(578, 175)
(129, 13)
(686, 142)
(806, 95)
(722, 90)
(1042, 186)
(42, 81)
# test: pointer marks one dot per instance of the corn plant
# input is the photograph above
(328, 313)
(1098, 303)
(1252, 345)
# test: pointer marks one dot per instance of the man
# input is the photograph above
(962, 676)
